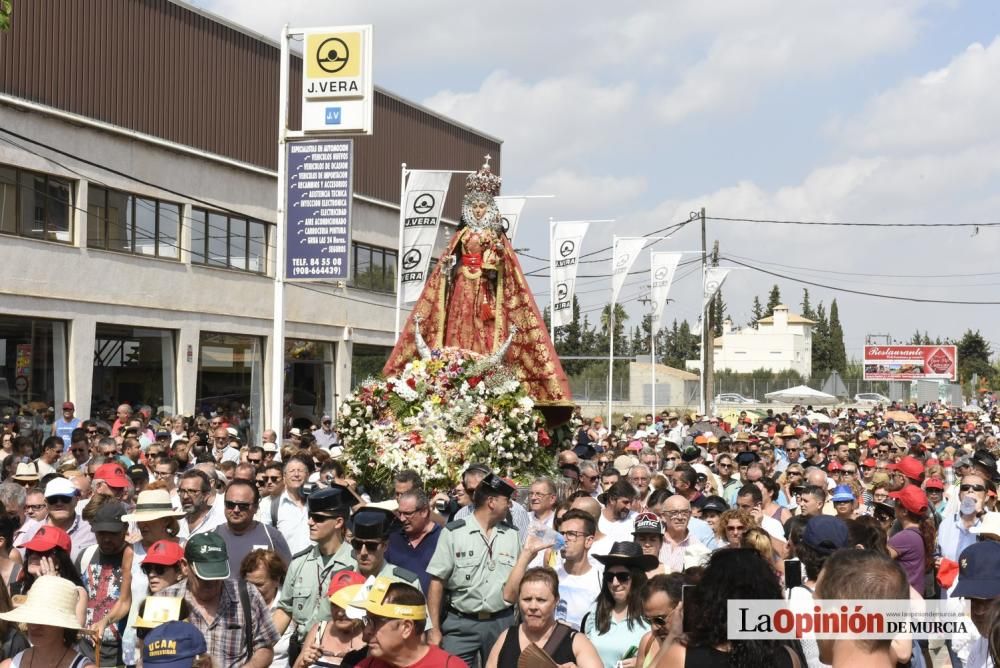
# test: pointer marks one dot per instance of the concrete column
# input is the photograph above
(345, 352)
(188, 340)
(185, 237)
(80, 366)
(80, 223)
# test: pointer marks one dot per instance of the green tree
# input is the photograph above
(807, 311)
(621, 339)
(821, 343)
(974, 357)
(6, 9)
(589, 340)
(757, 311)
(837, 349)
(773, 299)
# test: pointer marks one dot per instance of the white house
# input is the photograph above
(781, 341)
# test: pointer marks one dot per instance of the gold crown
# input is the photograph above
(483, 181)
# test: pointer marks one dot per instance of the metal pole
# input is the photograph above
(703, 403)
(552, 282)
(399, 253)
(611, 329)
(652, 367)
(277, 406)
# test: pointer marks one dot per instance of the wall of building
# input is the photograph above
(748, 350)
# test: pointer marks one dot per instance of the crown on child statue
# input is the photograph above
(483, 181)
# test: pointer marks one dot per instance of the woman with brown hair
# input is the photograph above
(732, 525)
(266, 571)
(537, 598)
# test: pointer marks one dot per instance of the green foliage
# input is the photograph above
(773, 299)
(835, 345)
(757, 310)
(974, 357)
(6, 9)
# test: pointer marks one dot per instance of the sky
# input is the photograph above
(862, 111)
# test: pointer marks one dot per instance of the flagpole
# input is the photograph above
(399, 254)
(652, 366)
(552, 281)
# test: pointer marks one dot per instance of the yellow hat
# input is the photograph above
(376, 605)
(158, 610)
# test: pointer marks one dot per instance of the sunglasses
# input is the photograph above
(35, 507)
(319, 518)
(59, 500)
(242, 505)
(271, 478)
(622, 576)
(255, 462)
(370, 545)
(972, 488)
(157, 569)
(657, 621)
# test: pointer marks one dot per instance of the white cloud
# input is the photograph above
(951, 108)
(545, 124)
(784, 42)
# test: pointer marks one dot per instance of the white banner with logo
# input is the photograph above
(662, 267)
(626, 251)
(714, 278)
(510, 213)
(567, 238)
(420, 215)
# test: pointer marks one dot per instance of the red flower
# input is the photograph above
(475, 380)
(416, 438)
(412, 382)
(543, 438)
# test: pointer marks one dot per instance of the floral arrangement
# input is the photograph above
(442, 412)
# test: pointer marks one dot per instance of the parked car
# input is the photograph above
(872, 398)
(733, 398)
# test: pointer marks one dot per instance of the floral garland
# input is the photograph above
(439, 415)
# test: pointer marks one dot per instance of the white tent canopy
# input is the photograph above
(800, 394)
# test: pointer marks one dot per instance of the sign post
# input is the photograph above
(315, 177)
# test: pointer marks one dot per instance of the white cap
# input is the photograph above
(60, 487)
(270, 447)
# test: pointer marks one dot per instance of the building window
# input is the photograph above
(230, 381)
(33, 367)
(310, 375)
(374, 268)
(35, 205)
(127, 223)
(220, 240)
(133, 365)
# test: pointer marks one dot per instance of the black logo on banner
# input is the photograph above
(661, 274)
(505, 224)
(567, 248)
(622, 261)
(711, 287)
(562, 291)
(411, 259)
(332, 55)
(423, 203)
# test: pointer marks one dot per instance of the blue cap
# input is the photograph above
(173, 645)
(842, 493)
(826, 534)
(979, 571)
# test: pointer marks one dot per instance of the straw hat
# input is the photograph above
(51, 601)
(26, 472)
(152, 504)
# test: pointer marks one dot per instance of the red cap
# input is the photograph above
(164, 552)
(344, 579)
(930, 462)
(872, 442)
(48, 537)
(113, 474)
(947, 463)
(834, 466)
(870, 462)
(934, 483)
(912, 498)
(909, 466)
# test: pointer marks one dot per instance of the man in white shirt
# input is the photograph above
(196, 494)
(292, 513)
(617, 518)
(542, 502)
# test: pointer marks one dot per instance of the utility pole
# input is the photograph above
(707, 336)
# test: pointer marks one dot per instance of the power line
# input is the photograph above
(845, 224)
(919, 300)
(854, 273)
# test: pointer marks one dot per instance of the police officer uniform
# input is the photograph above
(473, 568)
(302, 595)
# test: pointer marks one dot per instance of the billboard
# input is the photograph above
(911, 363)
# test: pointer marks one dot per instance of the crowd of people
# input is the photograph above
(172, 541)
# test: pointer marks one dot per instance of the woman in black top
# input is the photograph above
(736, 573)
(537, 597)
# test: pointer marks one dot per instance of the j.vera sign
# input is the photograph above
(911, 363)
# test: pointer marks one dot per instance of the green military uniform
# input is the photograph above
(303, 596)
(473, 569)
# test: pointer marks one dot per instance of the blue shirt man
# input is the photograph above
(412, 546)
(64, 426)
